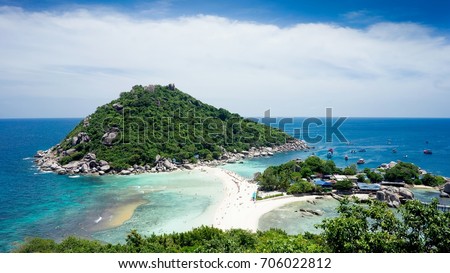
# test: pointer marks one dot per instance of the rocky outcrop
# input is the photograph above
(81, 137)
(48, 161)
(149, 88)
(109, 137)
(118, 107)
(444, 194)
(171, 86)
(293, 145)
(310, 212)
(446, 188)
(90, 164)
(394, 196)
(86, 121)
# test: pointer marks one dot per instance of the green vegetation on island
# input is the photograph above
(156, 122)
(294, 176)
(370, 228)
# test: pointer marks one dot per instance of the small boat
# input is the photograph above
(360, 161)
(331, 150)
(427, 152)
(353, 151)
(346, 158)
(362, 150)
(329, 155)
(394, 151)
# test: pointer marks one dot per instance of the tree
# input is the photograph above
(432, 181)
(374, 177)
(375, 228)
(306, 172)
(361, 229)
(301, 187)
(361, 177)
(403, 171)
(343, 185)
(425, 228)
(350, 170)
(314, 163)
(329, 167)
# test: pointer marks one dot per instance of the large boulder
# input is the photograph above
(168, 164)
(118, 107)
(157, 158)
(381, 196)
(406, 193)
(105, 168)
(71, 151)
(444, 195)
(391, 195)
(446, 188)
(109, 137)
(90, 157)
(84, 168)
(72, 165)
(81, 137)
(103, 163)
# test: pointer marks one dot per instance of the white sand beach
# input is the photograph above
(237, 209)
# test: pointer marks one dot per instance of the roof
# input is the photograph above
(322, 183)
(369, 187)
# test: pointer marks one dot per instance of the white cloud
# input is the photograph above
(49, 59)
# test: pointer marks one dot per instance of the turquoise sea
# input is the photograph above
(48, 205)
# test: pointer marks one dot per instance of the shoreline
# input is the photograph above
(49, 160)
(423, 187)
(239, 211)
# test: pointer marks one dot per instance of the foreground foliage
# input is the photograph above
(370, 228)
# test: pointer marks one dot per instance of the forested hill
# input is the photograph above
(153, 122)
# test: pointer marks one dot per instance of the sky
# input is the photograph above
(362, 58)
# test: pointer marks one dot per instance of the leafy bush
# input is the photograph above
(432, 181)
(343, 185)
(301, 187)
(403, 171)
(350, 170)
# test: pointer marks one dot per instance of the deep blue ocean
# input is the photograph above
(48, 205)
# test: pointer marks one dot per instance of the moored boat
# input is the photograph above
(427, 152)
(360, 161)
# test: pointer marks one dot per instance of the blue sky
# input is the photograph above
(351, 12)
(363, 58)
